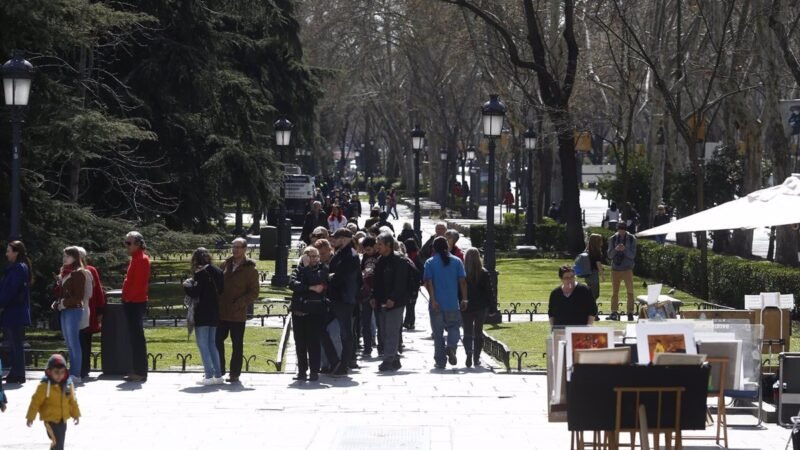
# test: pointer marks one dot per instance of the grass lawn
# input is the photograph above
(169, 341)
(529, 281)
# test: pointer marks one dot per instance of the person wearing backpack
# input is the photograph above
(391, 295)
(622, 252)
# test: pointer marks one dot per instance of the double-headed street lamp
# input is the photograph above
(417, 144)
(493, 113)
(17, 77)
(283, 136)
(530, 223)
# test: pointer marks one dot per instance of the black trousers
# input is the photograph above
(236, 330)
(134, 313)
(411, 316)
(307, 331)
(56, 431)
(344, 314)
(86, 349)
(473, 331)
(15, 339)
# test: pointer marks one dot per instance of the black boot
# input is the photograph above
(469, 360)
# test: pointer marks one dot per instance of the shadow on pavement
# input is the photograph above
(203, 389)
(13, 386)
(308, 385)
(234, 387)
(129, 386)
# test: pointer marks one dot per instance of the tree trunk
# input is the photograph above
(571, 204)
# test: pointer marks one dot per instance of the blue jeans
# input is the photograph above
(206, 342)
(15, 337)
(70, 328)
(442, 321)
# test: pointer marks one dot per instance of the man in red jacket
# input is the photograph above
(134, 302)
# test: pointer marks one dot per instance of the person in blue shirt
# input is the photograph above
(15, 301)
(444, 277)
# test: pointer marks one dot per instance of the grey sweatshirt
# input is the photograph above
(629, 254)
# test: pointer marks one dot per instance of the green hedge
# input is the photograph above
(729, 278)
(551, 236)
(504, 236)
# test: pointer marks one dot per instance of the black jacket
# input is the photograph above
(209, 283)
(391, 276)
(353, 209)
(312, 222)
(303, 277)
(345, 277)
(479, 293)
(406, 234)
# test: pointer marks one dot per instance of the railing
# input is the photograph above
(497, 350)
(175, 315)
(533, 308)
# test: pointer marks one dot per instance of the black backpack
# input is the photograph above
(412, 279)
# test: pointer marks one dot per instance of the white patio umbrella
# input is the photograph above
(774, 206)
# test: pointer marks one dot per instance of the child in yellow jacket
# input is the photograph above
(55, 402)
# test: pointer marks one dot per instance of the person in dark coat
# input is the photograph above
(353, 208)
(407, 233)
(390, 295)
(479, 292)
(206, 285)
(15, 301)
(308, 307)
(343, 285)
(314, 218)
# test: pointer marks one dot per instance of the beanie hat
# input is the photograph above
(55, 361)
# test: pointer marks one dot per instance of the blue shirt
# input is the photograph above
(445, 280)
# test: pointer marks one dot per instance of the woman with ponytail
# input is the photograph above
(15, 301)
(444, 278)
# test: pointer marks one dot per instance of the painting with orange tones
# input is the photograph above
(666, 343)
(587, 338)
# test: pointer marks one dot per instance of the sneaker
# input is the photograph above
(366, 353)
(439, 366)
(469, 360)
(385, 367)
(233, 380)
(313, 377)
(300, 377)
(219, 380)
(207, 381)
(613, 316)
(477, 362)
(396, 364)
(15, 380)
(630, 317)
(451, 356)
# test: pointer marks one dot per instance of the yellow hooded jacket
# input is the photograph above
(52, 404)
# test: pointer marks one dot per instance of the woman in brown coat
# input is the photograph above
(71, 293)
(241, 291)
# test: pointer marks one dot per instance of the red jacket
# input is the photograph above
(97, 302)
(134, 288)
(508, 199)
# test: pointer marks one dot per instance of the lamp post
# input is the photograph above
(443, 170)
(357, 154)
(283, 135)
(492, 113)
(417, 144)
(17, 77)
(530, 223)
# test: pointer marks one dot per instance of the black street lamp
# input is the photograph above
(17, 77)
(283, 135)
(530, 222)
(356, 154)
(443, 169)
(493, 113)
(417, 144)
(471, 159)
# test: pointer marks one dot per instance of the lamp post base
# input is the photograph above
(280, 280)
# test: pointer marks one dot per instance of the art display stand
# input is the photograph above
(606, 398)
